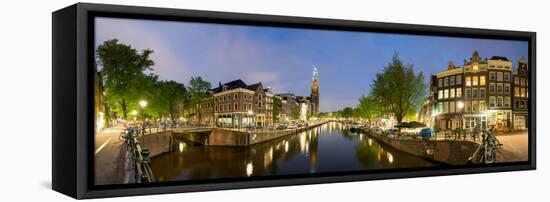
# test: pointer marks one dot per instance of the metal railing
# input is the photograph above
(139, 156)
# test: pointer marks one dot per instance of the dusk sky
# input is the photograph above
(283, 58)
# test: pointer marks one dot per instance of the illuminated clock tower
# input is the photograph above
(315, 92)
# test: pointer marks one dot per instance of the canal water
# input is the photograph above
(327, 148)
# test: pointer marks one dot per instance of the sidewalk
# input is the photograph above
(515, 147)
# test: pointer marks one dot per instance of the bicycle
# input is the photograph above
(490, 145)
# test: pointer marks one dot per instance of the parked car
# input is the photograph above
(425, 133)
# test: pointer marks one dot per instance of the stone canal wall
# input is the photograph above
(228, 137)
(444, 151)
(157, 143)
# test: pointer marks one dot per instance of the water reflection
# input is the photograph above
(327, 148)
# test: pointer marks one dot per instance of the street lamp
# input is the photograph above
(460, 105)
(143, 104)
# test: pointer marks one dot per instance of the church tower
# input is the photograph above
(315, 93)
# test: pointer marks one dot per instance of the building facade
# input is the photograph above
(478, 93)
(521, 96)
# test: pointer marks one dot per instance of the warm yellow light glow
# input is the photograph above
(390, 157)
(460, 104)
(134, 112)
(250, 112)
(181, 146)
(143, 103)
(249, 169)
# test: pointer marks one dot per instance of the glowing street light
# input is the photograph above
(143, 103)
(460, 105)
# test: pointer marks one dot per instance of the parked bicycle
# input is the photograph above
(490, 145)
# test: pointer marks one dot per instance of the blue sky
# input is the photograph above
(283, 58)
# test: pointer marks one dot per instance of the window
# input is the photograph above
(445, 107)
(235, 97)
(459, 92)
(452, 80)
(452, 91)
(507, 88)
(499, 101)
(440, 94)
(499, 88)
(507, 101)
(446, 94)
(474, 80)
(474, 106)
(474, 93)
(482, 93)
(458, 79)
(516, 92)
(468, 106)
(468, 81)
(481, 80)
(492, 76)
(523, 92)
(507, 76)
(446, 81)
(482, 106)
(499, 76)
(492, 88)
(516, 80)
(236, 107)
(468, 93)
(453, 107)
(440, 81)
(492, 101)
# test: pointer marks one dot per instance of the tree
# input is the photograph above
(198, 90)
(398, 88)
(122, 70)
(276, 108)
(368, 108)
(170, 95)
(295, 112)
(347, 112)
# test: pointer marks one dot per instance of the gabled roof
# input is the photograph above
(254, 87)
(230, 85)
(499, 58)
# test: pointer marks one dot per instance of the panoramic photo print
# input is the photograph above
(189, 101)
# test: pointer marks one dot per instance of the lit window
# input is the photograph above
(468, 81)
(458, 79)
(481, 80)
(474, 81)
(459, 92)
(452, 95)
(440, 94)
(446, 94)
(492, 101)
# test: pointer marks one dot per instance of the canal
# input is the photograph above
(327, 148)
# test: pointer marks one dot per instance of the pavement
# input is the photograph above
(109, 157)
(515, 146)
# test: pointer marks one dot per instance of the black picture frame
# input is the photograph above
(72, 103)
